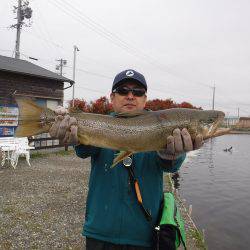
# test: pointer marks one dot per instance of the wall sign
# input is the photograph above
(8, 120)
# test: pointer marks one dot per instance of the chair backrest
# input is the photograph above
(7, 140)
(20, 142)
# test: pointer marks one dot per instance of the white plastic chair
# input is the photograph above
(22, 148)
(19, 151)
(2, 156)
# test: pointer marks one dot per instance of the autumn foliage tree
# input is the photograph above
(99, 106)
(103, 106)
(158, 104)
(79, 104)
(187, 105)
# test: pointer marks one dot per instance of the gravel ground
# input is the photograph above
(42, 206)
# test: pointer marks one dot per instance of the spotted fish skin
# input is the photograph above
(145, 132)
(140, 132)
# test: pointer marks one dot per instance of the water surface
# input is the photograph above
(217, 184)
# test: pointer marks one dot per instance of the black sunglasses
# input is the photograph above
(123, 90)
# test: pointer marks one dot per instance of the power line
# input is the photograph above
(92, 90)
(61, 47)
(44, 25)
(102, 31)
(6, 50)
(91, 73)
(110, 36)
(43, 29)
(44, 39)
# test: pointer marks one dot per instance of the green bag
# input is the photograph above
(170, 232)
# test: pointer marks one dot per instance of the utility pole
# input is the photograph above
(74, 74)
(213, 96)
(61, 65)
(23, 11)
(18, 30)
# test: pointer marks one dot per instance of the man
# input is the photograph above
(114, 218)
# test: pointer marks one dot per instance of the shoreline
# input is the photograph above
(195, 238)
(240, 132)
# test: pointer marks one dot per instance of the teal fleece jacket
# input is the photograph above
(112, 211)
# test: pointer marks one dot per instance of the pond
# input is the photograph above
(217, 184)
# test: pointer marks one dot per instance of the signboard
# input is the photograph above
(8, 120)
(7, 131)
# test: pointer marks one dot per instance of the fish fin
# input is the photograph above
(121, 156)
(133, 114)
(29, 119)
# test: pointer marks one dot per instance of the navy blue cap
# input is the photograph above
(127, 75)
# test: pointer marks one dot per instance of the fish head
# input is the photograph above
(209, 121)
(209, 117)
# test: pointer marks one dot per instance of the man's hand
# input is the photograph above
(65, 127)
(179, 143)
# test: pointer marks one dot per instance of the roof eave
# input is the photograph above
(44, 77)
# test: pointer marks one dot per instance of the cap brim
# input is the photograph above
(129, 79)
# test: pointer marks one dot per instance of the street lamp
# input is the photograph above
(74, 74)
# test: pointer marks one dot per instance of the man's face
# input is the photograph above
(128, 103)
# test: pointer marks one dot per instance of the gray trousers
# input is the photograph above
(93, 244)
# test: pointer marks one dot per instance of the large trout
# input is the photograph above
(129, 133)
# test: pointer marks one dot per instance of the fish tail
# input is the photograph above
(30, 120)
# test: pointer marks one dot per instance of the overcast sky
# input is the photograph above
(183, 47)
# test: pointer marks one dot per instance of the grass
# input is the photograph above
(197, 235)
(9, 209)
(193, 235)
(34, 227)
(37, 155)
(62, 152)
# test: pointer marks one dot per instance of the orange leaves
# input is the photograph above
(79, 104)
(158, 104)
(187, 105)
(103, 106)
(99, 106)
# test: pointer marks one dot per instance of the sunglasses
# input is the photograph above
(123, 90)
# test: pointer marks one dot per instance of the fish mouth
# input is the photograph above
(212, 124)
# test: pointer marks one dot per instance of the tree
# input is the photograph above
(100, 106)
(187, 105)
(79, 104)
(158, 104)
